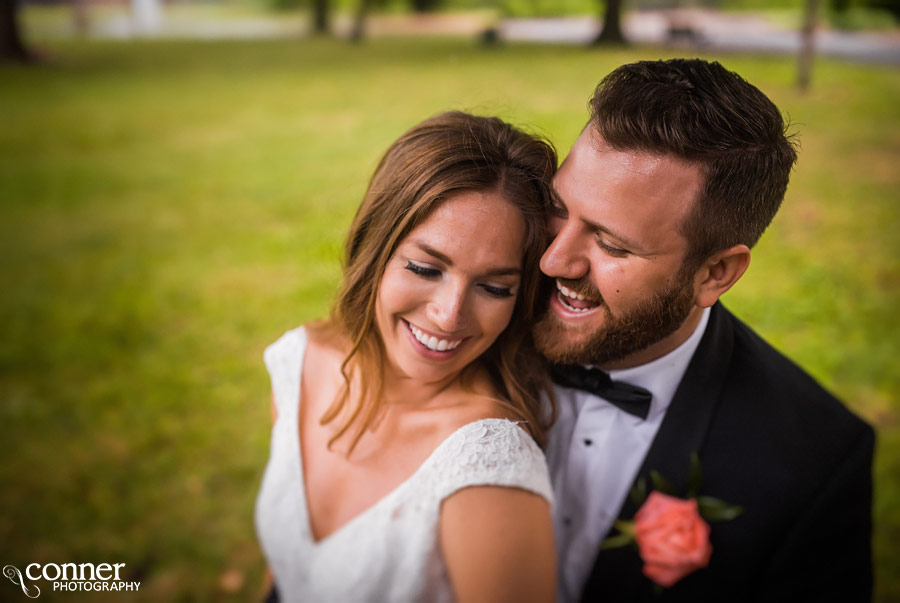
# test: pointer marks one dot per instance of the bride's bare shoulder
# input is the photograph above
(327, 343)
(477, 398)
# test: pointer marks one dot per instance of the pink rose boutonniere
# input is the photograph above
(672, 538)
(671, 534)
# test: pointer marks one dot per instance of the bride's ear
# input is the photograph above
(719, 273)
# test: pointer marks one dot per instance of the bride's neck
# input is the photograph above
(402, 391)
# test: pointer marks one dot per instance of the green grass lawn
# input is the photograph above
(168, 209)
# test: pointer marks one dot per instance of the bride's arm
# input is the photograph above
(498, 545)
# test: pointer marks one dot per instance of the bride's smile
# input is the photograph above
(434, 343)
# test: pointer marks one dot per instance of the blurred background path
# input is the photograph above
(700, 29)
(711, 30)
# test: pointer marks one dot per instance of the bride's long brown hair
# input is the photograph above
(442, 157)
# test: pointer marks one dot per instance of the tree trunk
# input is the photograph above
(359, 21)
(807, 45)
(11, 46)
(612, 34)
(80, 17)
(320, 16)
(425, 6)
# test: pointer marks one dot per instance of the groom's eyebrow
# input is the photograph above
(632, 245)
(514, 270)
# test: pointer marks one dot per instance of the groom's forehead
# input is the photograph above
(593, 163)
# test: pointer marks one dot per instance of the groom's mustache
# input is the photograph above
(583, 287)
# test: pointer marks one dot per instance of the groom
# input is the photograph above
(680, 170)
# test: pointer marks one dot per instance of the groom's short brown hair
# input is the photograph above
(701, 112)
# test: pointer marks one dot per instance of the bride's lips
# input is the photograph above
(571, 305)
(422, 339)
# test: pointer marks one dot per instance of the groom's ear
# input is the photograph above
(719, 273)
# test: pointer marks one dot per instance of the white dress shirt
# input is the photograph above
(594, 452)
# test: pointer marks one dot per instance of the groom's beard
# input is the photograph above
(652, 320)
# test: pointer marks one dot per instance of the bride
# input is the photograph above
(405, 461)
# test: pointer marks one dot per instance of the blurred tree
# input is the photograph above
(320, 16)
(80, 18)
(424, 6)
(358, 30)
(807, 44)
(890, 6)
(612, 34)
(840, 6)
(11, 46)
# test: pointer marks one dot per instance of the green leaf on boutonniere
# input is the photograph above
(626, 527)
(624, 537)
(662, 484)
(696, 476)
(713, 509)
(614, 542)
(638, 493)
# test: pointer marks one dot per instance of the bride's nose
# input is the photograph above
(447, 307)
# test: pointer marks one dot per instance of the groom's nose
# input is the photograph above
(565, 257)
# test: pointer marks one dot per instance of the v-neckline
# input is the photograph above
(371, 509)
(297, 455)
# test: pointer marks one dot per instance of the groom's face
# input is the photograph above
(622, 293)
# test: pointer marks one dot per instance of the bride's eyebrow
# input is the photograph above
(504, 272)
(500, 271)
(433, 252)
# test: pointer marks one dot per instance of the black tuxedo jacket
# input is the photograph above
(772, 440)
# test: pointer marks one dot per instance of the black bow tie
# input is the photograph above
(632, 399)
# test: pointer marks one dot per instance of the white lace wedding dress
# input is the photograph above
(390, 551)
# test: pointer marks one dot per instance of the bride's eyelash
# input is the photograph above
(426, 272)
(497, 291)
(422, 270)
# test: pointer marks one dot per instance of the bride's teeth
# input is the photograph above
(432, 342)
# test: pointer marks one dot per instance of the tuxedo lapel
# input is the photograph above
(685, 425)
(617, 575)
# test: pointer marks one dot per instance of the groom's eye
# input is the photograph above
(611, 250)
(422, 271)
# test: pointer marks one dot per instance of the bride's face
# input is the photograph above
(450, 288)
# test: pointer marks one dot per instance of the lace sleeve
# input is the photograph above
(492, 452)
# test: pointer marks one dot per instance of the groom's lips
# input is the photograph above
(572, 305)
